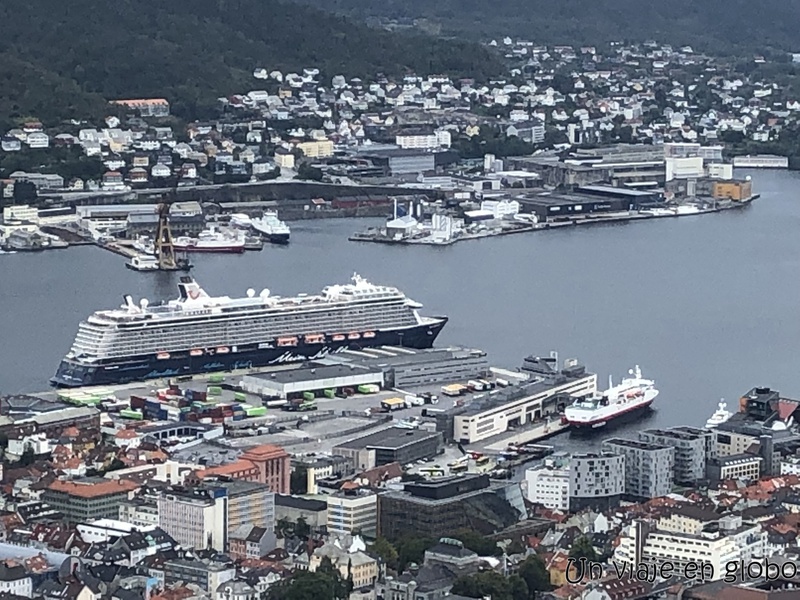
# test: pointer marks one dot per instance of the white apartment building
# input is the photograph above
(139, 513)
(353, 513)
(424, 141)
(548, 486)
(195, 517)
(683, 541)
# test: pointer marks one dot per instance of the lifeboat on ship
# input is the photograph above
(315, 338)
(196, 352)
(223, 350)
(354, 336)
(369, 334)
(339, 337)
(287, 341)
(162, 355)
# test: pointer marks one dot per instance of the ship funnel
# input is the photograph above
(128, 301)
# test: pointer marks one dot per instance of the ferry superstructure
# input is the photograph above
(632, 395)
(270, 226)
(198, 333)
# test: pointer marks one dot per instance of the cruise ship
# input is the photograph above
(271, 227)
(198, 333)
(632, 396)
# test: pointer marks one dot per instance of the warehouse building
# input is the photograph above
(391, 445)
(586, 201)
(407, 368)
(313, 377)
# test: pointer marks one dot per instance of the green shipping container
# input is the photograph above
(214, 390)
(240, 397)
(216, 378)
(131, 414)
(330, 393)
(364, 389)
(308, 395)
(256, 411)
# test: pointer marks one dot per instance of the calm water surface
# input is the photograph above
(707, 305)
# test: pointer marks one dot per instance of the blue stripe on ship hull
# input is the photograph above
(71, 374)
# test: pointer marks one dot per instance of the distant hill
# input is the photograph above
(65, 59)
(729, 26)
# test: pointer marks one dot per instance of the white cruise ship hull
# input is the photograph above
(587, 421)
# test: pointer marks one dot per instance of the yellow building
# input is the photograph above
(733, 190)
(317, 149)
(284, 159)
(360, 566)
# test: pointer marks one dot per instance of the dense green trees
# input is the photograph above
(491, 141)
(534, 573)
(492, 584)
(68, 162)
(582, 548)
(59, 61)
(726, 26)
(325, 583)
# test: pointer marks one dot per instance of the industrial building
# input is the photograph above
(693, 449)
(441, 507)
(391, 445)
(648, 467)
(542, 396)
(586, 201)
(314, 377)
(630, 165)
(407, 368)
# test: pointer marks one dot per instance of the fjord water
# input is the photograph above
(707, 305)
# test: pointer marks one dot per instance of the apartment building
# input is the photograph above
(195, 517)
(548, 485)
(596, 481)
(693, 536)
(693, 449)
(746, 467)
(648, 467)
(353, 510)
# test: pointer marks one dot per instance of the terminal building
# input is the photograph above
(408, 368)
(543, 395)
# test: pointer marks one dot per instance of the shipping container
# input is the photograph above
(369, 388)
(257, 411)
(131, 414)
(393, 404)
(240, 396)
(308, 395)
(216, 378)
(453, 390)
(330, 393)
(214, 390)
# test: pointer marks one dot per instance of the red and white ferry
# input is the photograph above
(633, 395)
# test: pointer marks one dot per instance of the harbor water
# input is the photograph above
(707, 305)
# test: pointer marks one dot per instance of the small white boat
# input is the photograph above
(721, 415)
(143, 262)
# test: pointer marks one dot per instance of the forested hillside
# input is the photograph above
(62, 59)
(729, 26)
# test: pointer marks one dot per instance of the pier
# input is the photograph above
(380, 237)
